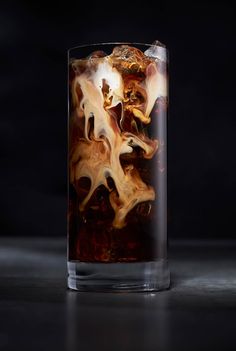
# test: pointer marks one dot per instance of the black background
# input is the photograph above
(34, 38)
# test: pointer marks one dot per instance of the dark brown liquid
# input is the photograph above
(92, 235)
(93, 238)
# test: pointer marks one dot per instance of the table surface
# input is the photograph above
(38, 312)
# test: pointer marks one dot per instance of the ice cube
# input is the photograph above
(127, 53)
(128, 59)
(97, 54)
(157, 51)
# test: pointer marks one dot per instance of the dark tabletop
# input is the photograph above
(37, 312)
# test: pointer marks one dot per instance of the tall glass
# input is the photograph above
(117, 182)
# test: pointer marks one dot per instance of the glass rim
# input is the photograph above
(115, 43)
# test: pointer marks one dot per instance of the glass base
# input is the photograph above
(118, 277)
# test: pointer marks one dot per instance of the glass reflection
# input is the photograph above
(117, 321)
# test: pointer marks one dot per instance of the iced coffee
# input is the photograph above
(116, 157)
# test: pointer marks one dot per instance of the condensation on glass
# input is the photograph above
(117, 169)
